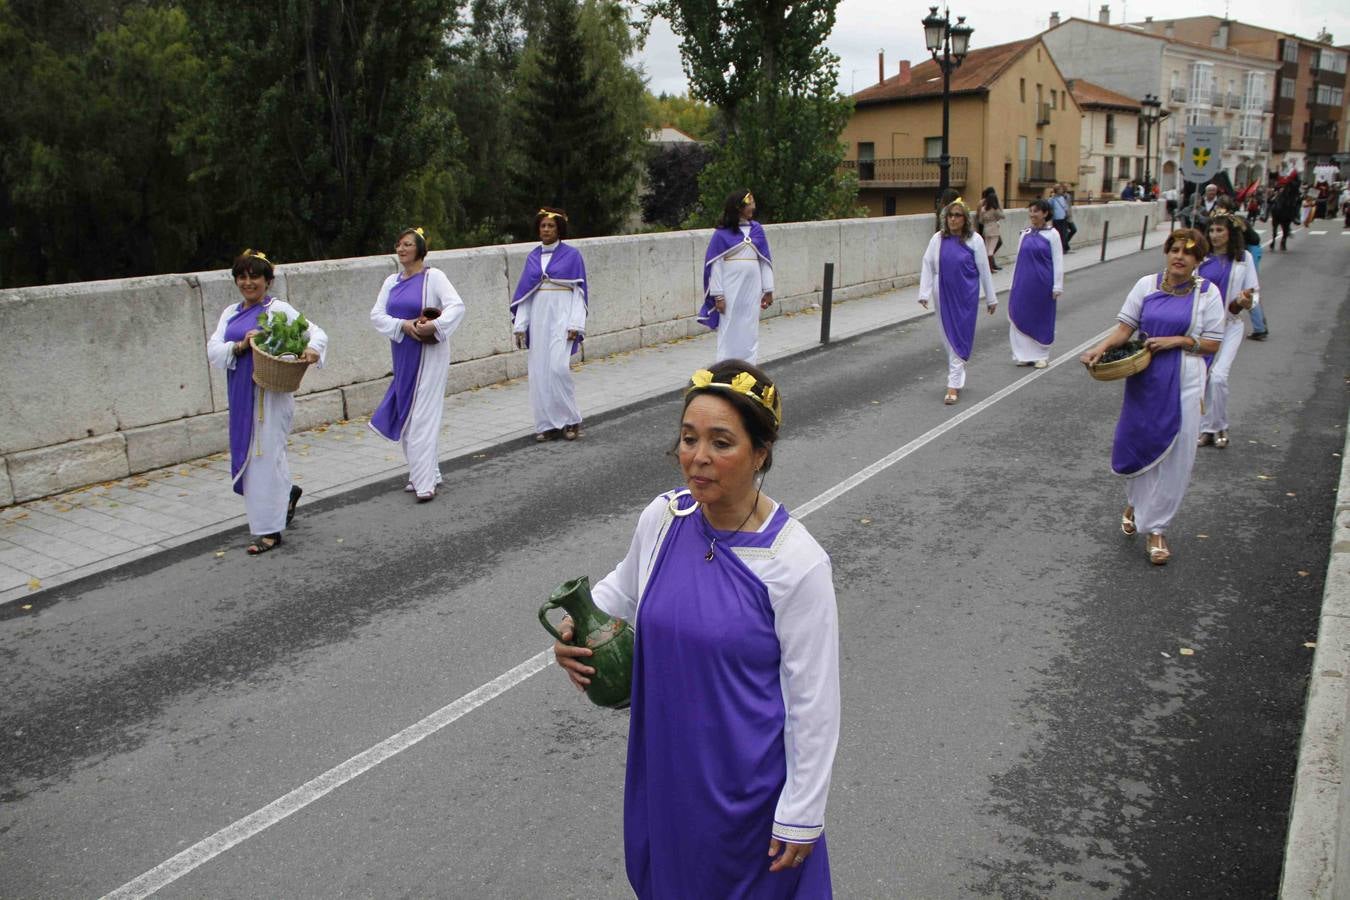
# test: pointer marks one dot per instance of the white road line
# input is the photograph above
(1316, 232)
(236, 833)
(928, 437)
(176, 867)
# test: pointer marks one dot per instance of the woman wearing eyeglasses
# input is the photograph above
(955, 272)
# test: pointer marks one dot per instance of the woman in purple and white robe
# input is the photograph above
(1230, 267)
(548, 317)
(955, 271)
(1180, 318)
(735, 695)
(737, 279)
(260, 420)
(418, 310)
(1038, 280)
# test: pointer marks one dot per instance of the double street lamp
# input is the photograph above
(1150, 110)
(949, 44)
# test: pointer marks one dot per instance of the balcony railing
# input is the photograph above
(905, 171)
(1178, 95)
(1037, 172)
(1042, 114)
(1233, 101)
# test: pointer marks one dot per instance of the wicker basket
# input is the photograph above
(1122, 368)
(271, 373)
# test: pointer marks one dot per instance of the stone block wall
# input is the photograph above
(103, 379)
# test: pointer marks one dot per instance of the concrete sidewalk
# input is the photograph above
(58, 539)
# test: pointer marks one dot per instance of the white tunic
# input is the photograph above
(422, 432)
(929, 290)
(1156, 492)
(1243, 276)
(266, 475)
(742, 277)
(797, 573)
(548, 313)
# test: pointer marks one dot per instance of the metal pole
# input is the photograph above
(945, 160)
(1143, 235)
(826, 302)
(1106, 229)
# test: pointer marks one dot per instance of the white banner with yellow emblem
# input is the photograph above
(1200, 155)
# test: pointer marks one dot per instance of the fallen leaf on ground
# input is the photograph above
(1264, 477)
(1168, 655)
(219, 554)
(865, 521)
(26, 606)
(1290, 494)
(1302, 573)
(1202, 536)
(339, 540)
(1186, 651)
(34, 584)
(1310, 644)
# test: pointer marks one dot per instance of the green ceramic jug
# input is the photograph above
(610, 640)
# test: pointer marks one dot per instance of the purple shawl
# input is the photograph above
(566, 267)
(724, 240)
(958, 294)
(406, 301)
(1031, 303)
(239, 389)
(1150, 414)
(1219, 270)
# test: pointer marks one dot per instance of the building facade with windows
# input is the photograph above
(1113, 151)
(1198, 85)
(1014, 126)
(1309, 102)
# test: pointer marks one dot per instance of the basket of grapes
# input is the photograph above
(1122, 361)
(277, 349)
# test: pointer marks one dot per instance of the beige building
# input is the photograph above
(1112, 152)
(1013, 126)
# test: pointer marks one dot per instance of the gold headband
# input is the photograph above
(420, 233)
(256, 254)
(1184, 238)
(550, 214)
(742, 383)
(747, 199)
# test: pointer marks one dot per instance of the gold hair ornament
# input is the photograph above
(742, 383)
(550, 214)
(420, 233)
(747, 199)
(256, 254)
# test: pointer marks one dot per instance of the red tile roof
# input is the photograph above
(980, 69)
(1091, 95)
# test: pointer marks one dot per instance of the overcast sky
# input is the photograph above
(865, 26)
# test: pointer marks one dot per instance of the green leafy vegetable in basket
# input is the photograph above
(281, 337)
(1124, 351)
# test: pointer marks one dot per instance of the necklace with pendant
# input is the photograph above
(1178, 290)
(704, 524)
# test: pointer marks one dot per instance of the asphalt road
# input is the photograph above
(1020, 719)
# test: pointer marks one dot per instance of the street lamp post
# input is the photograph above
(948, 44)
(1150, 108)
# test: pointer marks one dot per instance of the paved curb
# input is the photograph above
(1317, 854)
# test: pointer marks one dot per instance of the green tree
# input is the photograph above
(579, 123)
(764, 65)
(693, 117)
(93, 178)
(317, 135)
